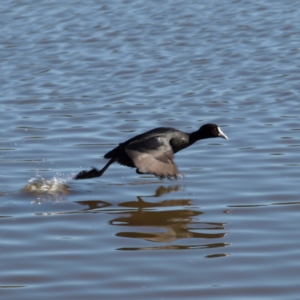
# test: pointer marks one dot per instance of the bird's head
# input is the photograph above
(211, 131)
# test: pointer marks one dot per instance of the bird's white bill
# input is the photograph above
(222, 134)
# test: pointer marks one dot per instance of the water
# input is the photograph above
(77, 78)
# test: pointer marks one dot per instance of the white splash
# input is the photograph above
(54, 189)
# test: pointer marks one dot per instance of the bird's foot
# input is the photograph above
(87, 174)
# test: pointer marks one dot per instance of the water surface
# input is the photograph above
(80, 77)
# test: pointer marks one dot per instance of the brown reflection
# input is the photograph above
(94, 204)
(166, 221)
(160, 191)
(217, 255)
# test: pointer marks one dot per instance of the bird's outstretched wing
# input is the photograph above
(153, 155)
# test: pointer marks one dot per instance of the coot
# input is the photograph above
(152, 152)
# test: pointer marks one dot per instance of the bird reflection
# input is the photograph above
(94, 204)
(163, 222)
(166, 221)
(160, 191)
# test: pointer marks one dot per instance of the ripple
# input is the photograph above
(77, 79)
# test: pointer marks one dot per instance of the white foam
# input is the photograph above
(53, 189)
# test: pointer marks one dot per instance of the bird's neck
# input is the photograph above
(196, 136)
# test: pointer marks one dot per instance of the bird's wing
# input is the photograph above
(153, 156)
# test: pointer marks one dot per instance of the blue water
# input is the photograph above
(79, 77)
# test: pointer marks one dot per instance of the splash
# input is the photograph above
(50, 186)
(54, 189)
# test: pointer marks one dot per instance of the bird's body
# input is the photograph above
(152, 152)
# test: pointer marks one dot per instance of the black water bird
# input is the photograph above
(152, 152)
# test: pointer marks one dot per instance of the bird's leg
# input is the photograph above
(138, 172)
(93, 172)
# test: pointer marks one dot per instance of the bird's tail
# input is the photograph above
(93, 172)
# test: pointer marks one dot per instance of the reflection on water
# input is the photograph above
(163, 222)
(167, 227)
(94, 204)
